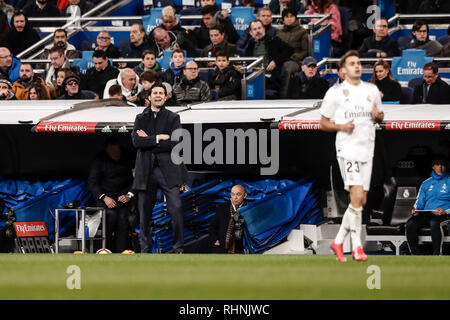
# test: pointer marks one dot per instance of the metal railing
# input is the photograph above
(71, 24)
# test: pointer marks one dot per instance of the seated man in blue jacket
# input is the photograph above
(434, 195)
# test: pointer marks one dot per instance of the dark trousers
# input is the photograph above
(146, 202)
(117, 227)
(413, 226)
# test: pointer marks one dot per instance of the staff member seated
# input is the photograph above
(434, 195)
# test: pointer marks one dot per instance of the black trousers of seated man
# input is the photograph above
(413, 226)
(117, 227)
(146, 202)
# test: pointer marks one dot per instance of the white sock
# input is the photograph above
(344, 229)
(355, 226)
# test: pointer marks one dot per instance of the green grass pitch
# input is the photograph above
(221, 277)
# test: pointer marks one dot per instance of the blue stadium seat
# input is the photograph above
(87, 45)
(241, 18)
(87, 55)
(162, 3)
(164, 62)
(407, 95)
(234, 3)
(403, 42)
(152, 20)
(413, 83)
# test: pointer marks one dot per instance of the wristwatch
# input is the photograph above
(130, 194)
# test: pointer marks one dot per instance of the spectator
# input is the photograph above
(22, 35)
(72, 91)
(210, 17)
(433, 196)
(168, 40)
(110, 181)
(174, 74)
(77, 8)
(6, 92)
(137, 44)
(249, 3)
(390, 89)
(129, 81)
(169, 22)
(218, 43)
(274, 50)
(433, 89)
(115, 92)
(42, 9)
(4, 30)
(147, 79)
(96, 77)
(308, 84)
(295, 36)
(9, 65)
(27, 79)
(324, 7)
(7, 9)
(148, 63)
(445, 39)
(57, 90)
(225, 79)
(339, 79)
(104, 44)
(265, 16)
(420, 40)
(191, 89)
(60, 40)
(227, 226)
(277, 6)
(58, 60)
(38, 92)
(380, 45)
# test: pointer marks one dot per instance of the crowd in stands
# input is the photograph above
(290, 72)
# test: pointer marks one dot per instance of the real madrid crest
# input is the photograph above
(406, 193)
(369, 99)
(346, 92)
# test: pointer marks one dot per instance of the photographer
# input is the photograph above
(129, 81)
(6, 92)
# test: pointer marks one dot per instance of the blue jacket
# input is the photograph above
(434, 193)
(14, 70)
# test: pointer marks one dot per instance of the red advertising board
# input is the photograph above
(31, 229)
(75, 127)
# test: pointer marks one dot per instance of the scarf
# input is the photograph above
(235, 229)
(177, 70)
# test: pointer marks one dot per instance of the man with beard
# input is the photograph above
(21, 36)
(168, 40)
(307, 84)
(22, 86)
(60, 40)
(154, 168)
(9, 65)
(42, 9)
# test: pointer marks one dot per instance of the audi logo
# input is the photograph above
(405, 164)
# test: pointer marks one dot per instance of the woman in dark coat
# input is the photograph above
(390, 89)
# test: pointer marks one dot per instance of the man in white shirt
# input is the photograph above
(351, 109)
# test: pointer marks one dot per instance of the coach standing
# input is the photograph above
(154, 167)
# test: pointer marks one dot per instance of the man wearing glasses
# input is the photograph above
(380, 45)
(191, 89)
(420, 40)
(104, 44)
(9, 65)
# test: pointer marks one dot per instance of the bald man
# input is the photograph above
(191, 88)
(227, 227)
(9, 65)
(129, 81)
(171, 40)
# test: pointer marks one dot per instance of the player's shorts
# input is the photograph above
(355, 173)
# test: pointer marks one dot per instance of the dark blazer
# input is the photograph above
(439, 93)
(166, 122)
(219, 225)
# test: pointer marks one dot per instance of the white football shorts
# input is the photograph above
(355, 173)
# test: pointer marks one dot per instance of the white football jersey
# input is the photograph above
(346, 102)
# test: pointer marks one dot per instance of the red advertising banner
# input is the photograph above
(31, 229)
(299, 125)
(75, 127)
(414, 125)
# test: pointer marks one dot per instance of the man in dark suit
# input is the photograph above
(154, 167)
(432, 90)
(227, 227)
(110, 182)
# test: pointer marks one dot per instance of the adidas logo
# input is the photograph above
(123, 129)
(106, 129)
(447, 127)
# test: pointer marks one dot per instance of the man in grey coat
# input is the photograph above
(154, 167)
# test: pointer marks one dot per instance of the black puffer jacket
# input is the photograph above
(191, 91)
